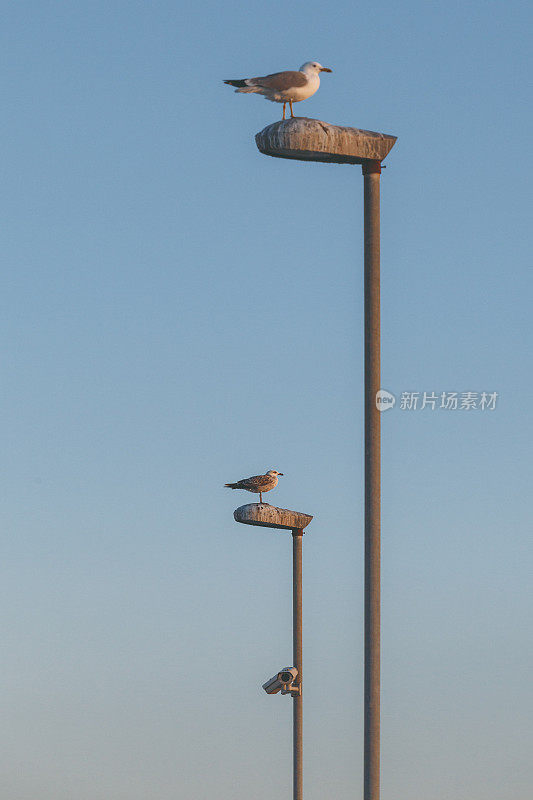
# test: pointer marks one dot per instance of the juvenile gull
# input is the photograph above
(257, 483)
(284, 87)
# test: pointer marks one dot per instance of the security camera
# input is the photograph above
(283, 681)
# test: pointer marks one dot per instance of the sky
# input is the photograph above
(180, 311)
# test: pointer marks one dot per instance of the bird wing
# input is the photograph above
(258, 482)
(279, 81)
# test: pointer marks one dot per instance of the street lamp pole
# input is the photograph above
(372, 173)
(288, 680)
(307, 139)
(297, 541)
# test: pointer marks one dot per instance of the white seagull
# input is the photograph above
(257, 483)
(284, 87)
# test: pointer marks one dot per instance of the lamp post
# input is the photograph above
(298, 700)
(312, 140)
(371, 173)
(289, 679)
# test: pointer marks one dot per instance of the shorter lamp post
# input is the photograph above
(289, 679)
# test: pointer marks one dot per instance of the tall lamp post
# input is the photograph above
(312, 140)
(289, 680)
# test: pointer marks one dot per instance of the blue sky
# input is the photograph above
(179, 311)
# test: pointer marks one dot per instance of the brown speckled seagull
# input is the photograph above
(257, 483)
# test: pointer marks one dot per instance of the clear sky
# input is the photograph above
(179, 311)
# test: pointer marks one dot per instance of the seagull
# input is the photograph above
(284, 87)
(257, 483)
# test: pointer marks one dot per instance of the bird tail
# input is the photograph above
(232, 485)
(242, 86)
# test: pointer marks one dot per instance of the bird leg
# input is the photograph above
(290, 103)
(260, 495)
(284, 104)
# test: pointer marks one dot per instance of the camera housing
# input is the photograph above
(284, 682)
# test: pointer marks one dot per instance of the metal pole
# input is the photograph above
(297, 540)
(371, 172)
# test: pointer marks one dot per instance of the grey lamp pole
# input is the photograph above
(372, 173)
(298, 700)
(271, 517)
(312, 140)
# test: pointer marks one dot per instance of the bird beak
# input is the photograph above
(280, 473)
(326, 69)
